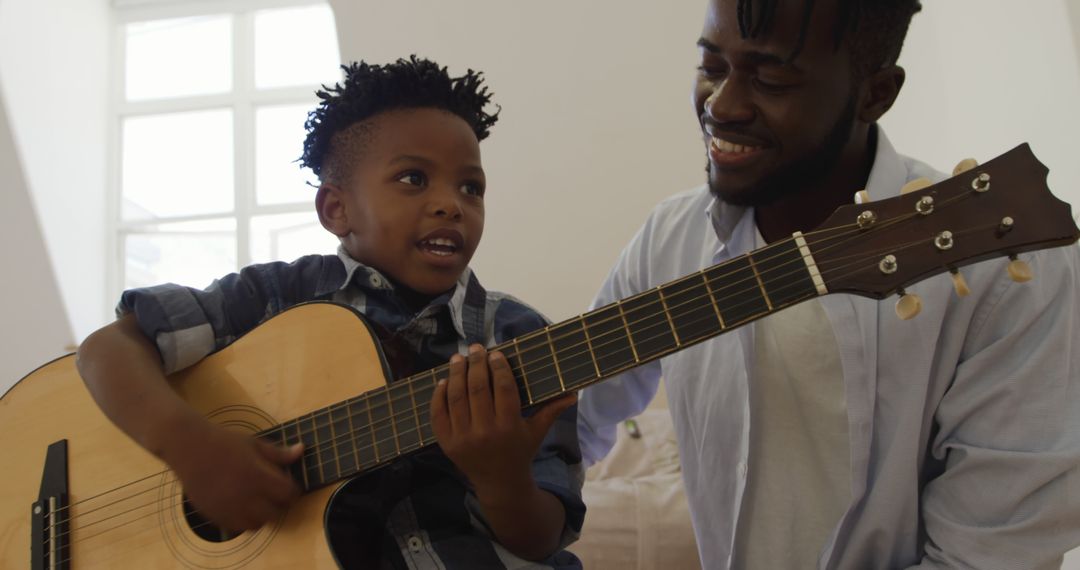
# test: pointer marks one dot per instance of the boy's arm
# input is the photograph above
(478, 423)
(234, 480)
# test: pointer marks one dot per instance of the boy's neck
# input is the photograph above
(412, 298)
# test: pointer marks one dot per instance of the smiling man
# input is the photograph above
(832, 434)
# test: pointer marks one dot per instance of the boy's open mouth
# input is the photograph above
(443, 242)
(438, 246)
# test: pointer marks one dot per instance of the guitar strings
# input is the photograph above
(312, 453)
(393, 417)
(205, 523)
(657, 325)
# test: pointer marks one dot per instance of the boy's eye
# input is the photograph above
(414, 178)
(472, 189)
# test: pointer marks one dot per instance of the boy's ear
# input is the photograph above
(330, 205)
(880, 90)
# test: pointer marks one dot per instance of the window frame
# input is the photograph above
(243, 99)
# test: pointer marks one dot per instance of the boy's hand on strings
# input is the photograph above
(236, 481)
(476, 417)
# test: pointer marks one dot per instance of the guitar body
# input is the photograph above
(126, 507)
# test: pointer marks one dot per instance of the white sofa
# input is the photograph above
(637, 514)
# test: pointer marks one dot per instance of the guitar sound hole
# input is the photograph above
(204, 528)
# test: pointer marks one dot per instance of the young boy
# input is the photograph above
(396, 150)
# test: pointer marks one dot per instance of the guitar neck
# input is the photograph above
(371, 430)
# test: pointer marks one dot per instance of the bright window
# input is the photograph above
(210, 109)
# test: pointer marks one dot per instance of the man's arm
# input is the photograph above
(1009, 430)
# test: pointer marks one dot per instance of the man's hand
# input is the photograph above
(235, 480)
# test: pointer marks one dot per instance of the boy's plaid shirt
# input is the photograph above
(436, 523)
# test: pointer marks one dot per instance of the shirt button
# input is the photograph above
(375, 280)
(415, 544)
(741, 469)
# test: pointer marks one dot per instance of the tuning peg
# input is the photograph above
(1019, 270)
(961, 286)
(914, 185)
(862, 197)
(908, 305)
(964, 166)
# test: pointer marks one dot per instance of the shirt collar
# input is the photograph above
(889, 172)
(467, 291)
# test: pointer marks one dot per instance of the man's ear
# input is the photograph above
(879, 92)
(330, 205)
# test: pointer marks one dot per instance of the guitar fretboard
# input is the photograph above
(363, 433)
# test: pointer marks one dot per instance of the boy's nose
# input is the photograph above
(446, 206)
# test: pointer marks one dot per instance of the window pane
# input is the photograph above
(180, 57)
(177, 164)
(279, 141)
(295, 46)
(192, 254)
(285, 237)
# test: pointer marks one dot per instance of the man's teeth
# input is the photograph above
(725, 146)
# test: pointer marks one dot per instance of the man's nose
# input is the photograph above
(730, 102)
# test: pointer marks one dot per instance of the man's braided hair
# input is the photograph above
(873, 29)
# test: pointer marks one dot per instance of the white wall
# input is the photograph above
(34, 330)
(984, 76)
(54, 76)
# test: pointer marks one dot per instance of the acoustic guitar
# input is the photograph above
(78, 493)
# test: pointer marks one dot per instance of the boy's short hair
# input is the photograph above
(335, 131)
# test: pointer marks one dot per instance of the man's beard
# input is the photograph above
(806, 171)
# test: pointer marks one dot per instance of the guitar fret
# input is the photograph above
(573, 354)
(407, 437)
(318, 448)
(333, 442)
(629, 333)
(524, 377)
(371, 430)
(352, 436)
(692, 310)
(667, 313)
(365, 455)
(650, 330)
(416, 413)
(712, 299)
(536, 360)
(612, 339)
(738, 295)
(555, 359)
(301, 465)
(393, 421)
(757, 276)
(383, 425)
(589, 345)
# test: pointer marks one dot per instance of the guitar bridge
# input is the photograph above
(49, 533)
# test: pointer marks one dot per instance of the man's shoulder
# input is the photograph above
(688, 202)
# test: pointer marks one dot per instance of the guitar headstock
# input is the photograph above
(1000, 208)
